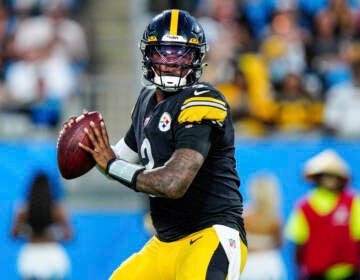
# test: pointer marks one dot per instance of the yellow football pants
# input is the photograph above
(214, 253)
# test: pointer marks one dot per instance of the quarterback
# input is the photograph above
(179, 150)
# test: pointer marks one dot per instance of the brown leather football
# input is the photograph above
(72, 160)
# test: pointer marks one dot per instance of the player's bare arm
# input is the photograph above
(174, 178)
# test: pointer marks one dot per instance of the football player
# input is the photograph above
(179, 150)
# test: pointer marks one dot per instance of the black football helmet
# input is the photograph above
(173, 40)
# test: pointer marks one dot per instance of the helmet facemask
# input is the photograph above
(171, 66)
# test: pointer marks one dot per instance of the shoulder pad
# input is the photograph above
(204, 103)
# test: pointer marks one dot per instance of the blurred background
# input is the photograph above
(290, 70)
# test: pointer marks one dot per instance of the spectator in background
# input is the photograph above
(343, 16)
(325, 224)
(260, 92)
(257, 14)
(284, 45)
(245, 42)
(307, 11)
(43, 223)
(222, 33)
(221, 51)
(42, 79)
(70, 35)
(28, 6)
(325, 50)
(5, 39)
(297, 112)
(237, 95)
(263, 225)
(341, 108)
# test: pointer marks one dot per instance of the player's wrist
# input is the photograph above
(108, 165)
(124, 172)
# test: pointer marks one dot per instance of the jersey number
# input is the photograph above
(146, 154)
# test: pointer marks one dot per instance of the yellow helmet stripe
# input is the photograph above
(174, 22)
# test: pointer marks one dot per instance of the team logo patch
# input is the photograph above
(165, 122)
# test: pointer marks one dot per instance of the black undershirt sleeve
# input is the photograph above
(194, 136)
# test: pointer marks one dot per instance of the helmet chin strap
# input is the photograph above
(170, 83)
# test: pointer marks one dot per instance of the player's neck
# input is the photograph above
(161, 95)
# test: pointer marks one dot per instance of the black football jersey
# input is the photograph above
(179, 121)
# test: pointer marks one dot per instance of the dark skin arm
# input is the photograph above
(19, 221)
(60, 218)
(171, 180)
(174, 178)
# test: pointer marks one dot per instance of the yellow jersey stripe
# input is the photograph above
(174, 22)
(203, 103)
(210, 99)
(197, 113)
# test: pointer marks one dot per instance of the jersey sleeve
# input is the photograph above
(194, 136)
(207, 106)
(201, 115)
(297, 228)
(355, 219)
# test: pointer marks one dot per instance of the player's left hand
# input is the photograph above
(101, 151)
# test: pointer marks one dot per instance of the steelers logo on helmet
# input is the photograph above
(173, 48)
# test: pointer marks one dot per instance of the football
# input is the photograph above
(72, 160)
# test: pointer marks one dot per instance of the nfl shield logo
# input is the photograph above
(146, 121)
(232, 243)
(165, 122)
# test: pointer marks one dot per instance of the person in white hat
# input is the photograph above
(325, 224)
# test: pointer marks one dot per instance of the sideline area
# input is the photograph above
(105, 237)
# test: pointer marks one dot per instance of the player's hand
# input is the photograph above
(72, 119)
(101, 151)
(66, 125)
(69, 122)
